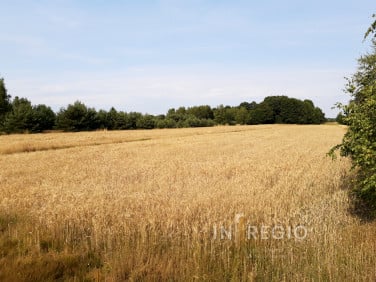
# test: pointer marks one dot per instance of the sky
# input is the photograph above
(149, 56)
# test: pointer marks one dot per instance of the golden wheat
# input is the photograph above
(151, 204)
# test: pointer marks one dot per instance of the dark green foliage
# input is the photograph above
(198, 116)
(248, 106)
(103, 120)
(242, 116)
(340, 118)
(225, 115)
(165, 123)
(131, 120)
(319, 116)
(294, 111)
(359, 143)
(107, 120)
(19, 115)
(77, 117)
(177, 115)
(20, 118)
(193, 121)
(145, 122)
(201, 112)
(262, 114)
(5, 103)
(43, 118)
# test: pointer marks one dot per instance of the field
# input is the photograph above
(242, 203)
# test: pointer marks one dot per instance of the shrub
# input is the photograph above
(359, 142)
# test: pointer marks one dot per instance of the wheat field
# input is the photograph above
(181, 205)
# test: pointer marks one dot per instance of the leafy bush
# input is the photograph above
(359, 143)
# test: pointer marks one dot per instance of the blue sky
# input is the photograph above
(149, 56)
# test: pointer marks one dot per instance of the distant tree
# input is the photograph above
(262, 114)
(108, 120)
(340, 118)
(201, 112)
(43, 118)
(248, 106)
(91, 119)
(160, 117)
(165, 123)
(275, 103)
(294, 111)
(319, 116)
(179, 115)
(224, 115)
(20, 118)
(171, 111)
(77, 117)
(123, 121)
(192, 121)
(5, 102)
(309, 112)
(242, 115)
(181, 111)
(102, 117)
(132, 119)
(145, 122)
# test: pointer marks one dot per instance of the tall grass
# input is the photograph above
(154, 209)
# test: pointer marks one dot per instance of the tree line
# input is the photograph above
(18, 115)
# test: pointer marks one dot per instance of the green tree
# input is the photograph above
(242, 116)
(359, 142)
(179, 115)
(108, 120)
(319, 116)
(201, 112)
(77, 117)
(291, 110)
(145, 122)
(248, 106)
(340, 118)
(309, 112)
(102, 117)
(225, 115)
(132, 119)
(262, 114)
(5, 102)
(165, 123)
(43, 118)
(20, 118)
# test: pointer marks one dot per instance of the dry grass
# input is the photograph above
(146, 210)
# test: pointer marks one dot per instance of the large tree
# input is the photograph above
(359, 143)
